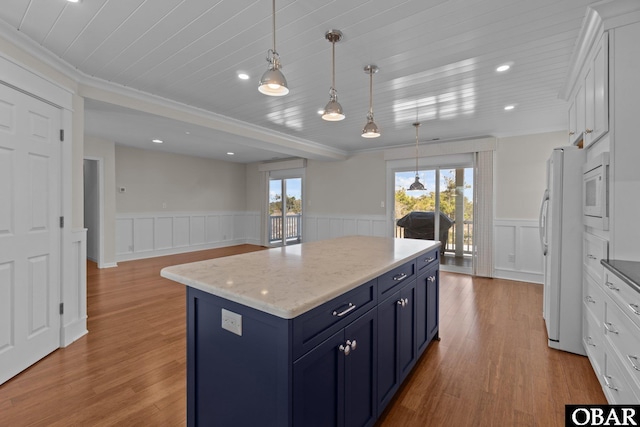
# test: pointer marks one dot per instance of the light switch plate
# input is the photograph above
(232, 322)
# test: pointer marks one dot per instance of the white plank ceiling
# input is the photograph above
(437, 59)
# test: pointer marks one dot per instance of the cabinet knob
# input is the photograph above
(588, 130)
(353, 344)
(346, 349)
(403, 302)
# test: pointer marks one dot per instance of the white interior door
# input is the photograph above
(30, 243)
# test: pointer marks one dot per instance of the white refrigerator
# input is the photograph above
(561, 238)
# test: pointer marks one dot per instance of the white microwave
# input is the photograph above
(595, 192)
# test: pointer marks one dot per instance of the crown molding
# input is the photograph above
(601, 16)
(101, 90)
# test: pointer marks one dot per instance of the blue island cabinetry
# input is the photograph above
(338, 364)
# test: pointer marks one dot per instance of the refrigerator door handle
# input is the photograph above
(543, 222)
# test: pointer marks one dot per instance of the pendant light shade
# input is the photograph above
(370, 130)
(273, 82)
(333, 111)
(417, 185)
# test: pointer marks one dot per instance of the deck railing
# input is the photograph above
(291, 229)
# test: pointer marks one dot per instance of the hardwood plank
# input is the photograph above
(492, 367)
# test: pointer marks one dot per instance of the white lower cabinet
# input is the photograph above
(611, 335)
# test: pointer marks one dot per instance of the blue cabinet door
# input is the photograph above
(388, 349)
(361, 372)
(318, 385)
(407, 330)
(433, 305)
(427, 308)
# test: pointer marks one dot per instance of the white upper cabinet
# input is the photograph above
(596, 94)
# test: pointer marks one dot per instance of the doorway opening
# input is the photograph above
(285, 210)
(93, 220)
(442, 212)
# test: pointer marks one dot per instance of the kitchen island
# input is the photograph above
(321, 333)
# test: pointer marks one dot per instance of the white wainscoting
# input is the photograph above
(517, 250)
(320, 227)
(146, 235)
(74, 288)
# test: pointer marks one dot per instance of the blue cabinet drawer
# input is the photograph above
(318, 324)
(428, 259)
(390, 281)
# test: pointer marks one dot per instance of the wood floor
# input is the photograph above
(492, 366)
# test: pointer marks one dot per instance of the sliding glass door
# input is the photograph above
(443, 211)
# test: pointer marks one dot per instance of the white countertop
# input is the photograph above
(291, 280)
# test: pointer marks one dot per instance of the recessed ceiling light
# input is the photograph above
(187, 132)
(503, 68)
(509, 107)
(157, 141)
(243, 76)
(73, 1)
(230, 153)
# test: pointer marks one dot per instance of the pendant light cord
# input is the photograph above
(274, 26)
(371, 92)
(417, 124)
(333, 65)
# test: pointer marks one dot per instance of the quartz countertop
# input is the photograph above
(291, 280)
(629, 271)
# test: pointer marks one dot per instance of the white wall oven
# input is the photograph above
(595, 195)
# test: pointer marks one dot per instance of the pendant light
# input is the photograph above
(273, 82)
(370, 130)
(333, 110)
(417, 185)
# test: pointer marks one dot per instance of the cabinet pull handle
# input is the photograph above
(572, 133)
(608, 384)
(589, 299)
(430, 259)
(634, 364)
(353, 344)
(612, 286)
(635, 308)
(591, 257)
(609, 327)
(351, 307)
(346, 349)
(399, 277)
(590, 342)
(587, 130)
(431, 278)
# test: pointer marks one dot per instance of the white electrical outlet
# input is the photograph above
(232, 322)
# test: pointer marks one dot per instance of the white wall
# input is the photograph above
(520, 181)
(174, 203)
(520, 173)
(157, 181)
